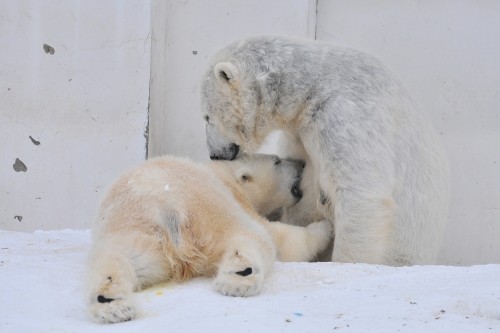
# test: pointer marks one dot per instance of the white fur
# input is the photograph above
(370, 150)
(204, 222)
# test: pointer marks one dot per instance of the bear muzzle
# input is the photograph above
(226, 153)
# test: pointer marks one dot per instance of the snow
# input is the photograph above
(41, 290)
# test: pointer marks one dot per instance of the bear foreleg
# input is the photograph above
(295, 243)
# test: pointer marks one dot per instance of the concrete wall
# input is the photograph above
(73, 112)
(447, 53)
(185, 35)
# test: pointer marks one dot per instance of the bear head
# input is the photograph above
(237, 107)
(268, 181)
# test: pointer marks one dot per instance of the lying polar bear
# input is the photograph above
(172, 219)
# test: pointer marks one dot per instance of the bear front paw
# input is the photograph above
(237, 276)
(322, 232)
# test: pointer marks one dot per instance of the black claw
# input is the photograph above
(246, 272)
(102, 299)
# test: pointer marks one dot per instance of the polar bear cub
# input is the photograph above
(172, 219)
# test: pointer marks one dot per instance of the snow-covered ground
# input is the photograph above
(41, 290)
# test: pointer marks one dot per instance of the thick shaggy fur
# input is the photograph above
(377, 167)
(172, 219)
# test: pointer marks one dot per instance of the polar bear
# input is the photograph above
(172, 219)
(372, 151)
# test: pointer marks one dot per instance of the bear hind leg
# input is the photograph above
(117, 268)
(364, 230)
(111, 281)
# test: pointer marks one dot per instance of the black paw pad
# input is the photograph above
(246, 272)
(102, 299)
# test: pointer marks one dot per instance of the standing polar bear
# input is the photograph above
(377, 168)
(172, 219)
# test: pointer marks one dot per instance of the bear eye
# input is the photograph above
(276, 160)
(245, 177)
(207, 118)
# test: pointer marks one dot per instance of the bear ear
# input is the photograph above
(226, 73)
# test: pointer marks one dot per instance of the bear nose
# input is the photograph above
(235, 149)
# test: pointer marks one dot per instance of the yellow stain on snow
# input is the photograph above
(161, 288)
